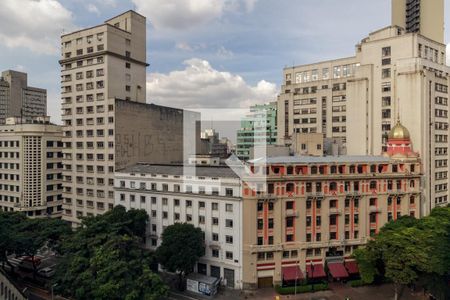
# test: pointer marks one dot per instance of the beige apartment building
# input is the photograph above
(18, 99)
(396, 71)
(107, 124)
(31, 167)
(305, 215)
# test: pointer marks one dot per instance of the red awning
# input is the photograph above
(292, 273)
(337, 270)
(352, 267)
(315, 271)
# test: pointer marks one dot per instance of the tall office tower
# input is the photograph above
(31, 167)
(393, 73)
(107, 125)
(421, 16)
(258, 128)
(18, 99)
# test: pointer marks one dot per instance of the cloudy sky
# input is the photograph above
(203, 53)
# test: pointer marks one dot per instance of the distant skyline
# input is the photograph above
(202, 53)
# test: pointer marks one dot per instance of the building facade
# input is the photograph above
(17, 99)
(209, 197)
(258, 128)
(420, 16)
(395, 72)
(31, 167)
(107, 123)
(311, 213)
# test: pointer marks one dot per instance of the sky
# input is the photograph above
(202, 53)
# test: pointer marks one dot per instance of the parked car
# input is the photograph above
(46, 272)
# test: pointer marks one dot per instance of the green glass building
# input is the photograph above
(258, 128)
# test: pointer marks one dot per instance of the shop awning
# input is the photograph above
(337, 270)
(352, 267)
(292, 273)
(315, 271)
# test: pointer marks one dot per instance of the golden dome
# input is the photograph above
(399, 132)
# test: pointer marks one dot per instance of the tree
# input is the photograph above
(409, 251)
(8, 235)
(33, 234)
(182, 246)
(104, 259)
(22, 236)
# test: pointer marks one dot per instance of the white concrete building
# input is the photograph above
(31, 167)
(210, 197)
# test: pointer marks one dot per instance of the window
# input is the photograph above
(270, 223)
(386, 73)
(215, 253)
(215, 206)
(229, 239)
(215, 221)
(229, 207)
(289, 222)
(386, 51)
(229, 223)
(290, 205)
(229, 255)
(215, 237)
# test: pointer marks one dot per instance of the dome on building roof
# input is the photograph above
(399, 132)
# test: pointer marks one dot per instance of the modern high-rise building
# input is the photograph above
(305, 215)
(17, 99)
(31, 167)
(107, 123)
(258, 128)
(421, 16)
(396, 71)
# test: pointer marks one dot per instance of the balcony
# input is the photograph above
(265, 196)
(334, 211)
(374, 209)
(291, 213)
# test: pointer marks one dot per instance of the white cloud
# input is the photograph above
(93, 9)
(33, 24)
(183, 46)
(199, 85)
(182, 14)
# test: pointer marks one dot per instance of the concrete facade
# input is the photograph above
(210, 199)
(317, 210)
(31, 167)
(395, 72)
(107, 124)
(420, 16)
(18, 99)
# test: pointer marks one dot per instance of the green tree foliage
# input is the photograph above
(22, 236)
(104, 259)
(182, 245)
(8, 234)
(410, 251)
